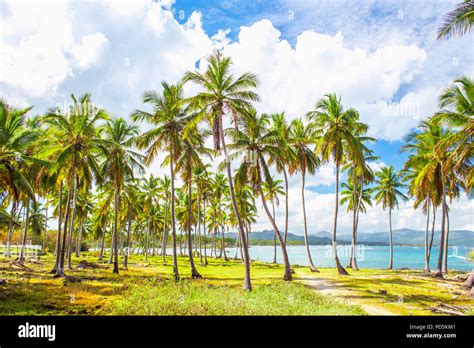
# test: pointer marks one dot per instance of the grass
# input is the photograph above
(145, 289)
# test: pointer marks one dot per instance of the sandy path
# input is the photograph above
(326, 287)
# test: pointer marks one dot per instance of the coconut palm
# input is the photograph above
(169, 120)
(302, 139)
(457, 22)
(283, 158)
(190, 158)
(272, 188)
(387, 192)
(457, 111)
(119, 165)
(339, 140)
(224, 95)
(76, 151)
(257, 142)
(15, 140)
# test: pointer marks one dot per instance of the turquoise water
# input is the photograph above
(367, 256)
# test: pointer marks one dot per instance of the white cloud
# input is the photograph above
(391, 77)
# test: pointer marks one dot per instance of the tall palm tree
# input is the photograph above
(302, 139)
(76, 152)
(169, 119)
(224, 95)
(193, 149)
(458, 22)
(387, 192)
(254, 139)
(272, 188)
(283, 158)
(165, 189)
(119, 165)
(339, 140)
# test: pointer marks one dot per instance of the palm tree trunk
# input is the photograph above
(11, 228)
(247, 285)
(204, 233)
(439, 273)
(274, 236)
(340, 269)
(112, 244)
(286, 205)
(446, 245)
(79, 241)
(432, 232)
(45, 230)
(287, 274)
(390, 262)
(101, 253)
(194, 272)
(353, 261)
(199, 225)
(58, 235)
(62, 251)
(173, 223)
(312, 267)
(165, 235)
(71, 226)
(115, 236)
(427, 255)
(27, 222)
(129, 228)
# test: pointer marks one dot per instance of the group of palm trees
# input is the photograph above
(89, 169)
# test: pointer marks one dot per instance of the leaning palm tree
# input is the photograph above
(387, 192)
(458, 22)
(272, 188)
(76, 153)
(119, 165)
(339, 140)
(224, 95)
(302, 139)
(169, 120)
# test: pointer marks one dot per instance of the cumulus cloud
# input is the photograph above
(386, 75)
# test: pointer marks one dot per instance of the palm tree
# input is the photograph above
(457, 22)
(257, 142)
(170, 120)
(339, 140)
(119, 165)
(165, 189)
(357, 198)
(424, 173)
(76, 151)
(283, 158)
(457, 111)
(302, 138)
(15, 140)
(224, 95)
(190, 158)
(387, 191)
(271, 189)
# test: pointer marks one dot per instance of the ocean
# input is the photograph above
(367, 256)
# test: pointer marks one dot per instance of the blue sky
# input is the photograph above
(381, 57)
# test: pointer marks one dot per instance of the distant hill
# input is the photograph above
(404, 236)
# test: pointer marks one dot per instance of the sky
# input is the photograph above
(381, 57)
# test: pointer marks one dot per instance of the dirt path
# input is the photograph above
(326, 287)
